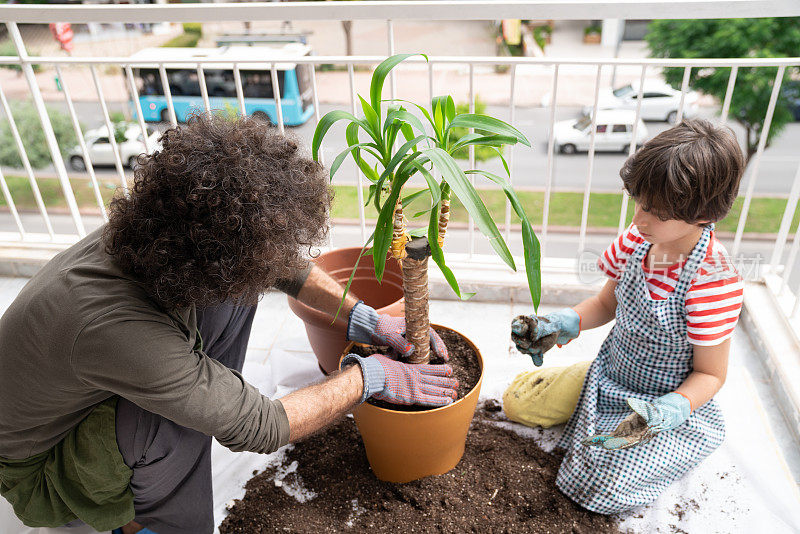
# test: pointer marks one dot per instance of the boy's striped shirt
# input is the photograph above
(714, 298)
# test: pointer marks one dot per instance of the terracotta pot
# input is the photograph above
(406, 446)
(328, 340)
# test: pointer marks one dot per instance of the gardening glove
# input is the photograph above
(647, 420)
(534, 335)
(366, 326)
(404, 383)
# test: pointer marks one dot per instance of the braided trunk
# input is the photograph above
(413, 258)
(415, 289)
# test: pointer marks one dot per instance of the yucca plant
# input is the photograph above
(388, 161)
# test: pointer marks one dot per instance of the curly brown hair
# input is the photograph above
(219, 214)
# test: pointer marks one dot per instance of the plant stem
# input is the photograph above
(415, 289)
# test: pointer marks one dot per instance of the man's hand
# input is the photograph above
(534, 335)
(647, 420)
(366, 326)
(400, 383)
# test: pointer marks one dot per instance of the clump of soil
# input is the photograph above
(526, 339)
(504, 483)
(461, 357)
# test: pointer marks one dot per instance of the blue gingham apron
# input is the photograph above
(646, 355)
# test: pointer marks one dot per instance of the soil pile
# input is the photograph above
(504, 483)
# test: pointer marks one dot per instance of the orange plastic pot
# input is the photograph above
(406, 446)
(329, 340)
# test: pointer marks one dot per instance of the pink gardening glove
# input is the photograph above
(367, 326)
(404, 383)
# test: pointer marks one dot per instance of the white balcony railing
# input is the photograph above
(781, 262)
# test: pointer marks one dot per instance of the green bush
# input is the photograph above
(193, 27)
(30, 130)
(482, 153)
(184, 40)
(7, 48)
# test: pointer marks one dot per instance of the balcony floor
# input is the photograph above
(750, 482)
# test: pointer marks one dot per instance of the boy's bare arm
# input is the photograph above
(315, 407)
(710, 369)
(600, 309)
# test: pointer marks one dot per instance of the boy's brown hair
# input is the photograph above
(690, 172)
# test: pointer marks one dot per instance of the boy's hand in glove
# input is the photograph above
(534, 335)
(647, 420)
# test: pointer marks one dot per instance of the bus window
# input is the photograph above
(183, 82)
(258, 84)
(148, 82)
(220, 83)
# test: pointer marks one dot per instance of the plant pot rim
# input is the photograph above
(474, 391)
(313, 314)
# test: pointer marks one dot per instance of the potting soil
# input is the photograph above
(461, 357)
(504, 483)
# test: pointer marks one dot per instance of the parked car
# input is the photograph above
(660, 102)
(614, 132)
(98, 144)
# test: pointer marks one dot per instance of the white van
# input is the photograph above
(614, 132)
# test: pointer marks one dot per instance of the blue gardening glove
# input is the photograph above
(647, 420)
(366, 326)
(534, 335)
(403, 383)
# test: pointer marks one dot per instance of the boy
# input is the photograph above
(646, 413)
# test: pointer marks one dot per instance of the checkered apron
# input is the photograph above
(646, 355)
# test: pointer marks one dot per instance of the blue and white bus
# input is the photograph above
(294, 81)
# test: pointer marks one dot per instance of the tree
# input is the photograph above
(732, 38)
(33, 139)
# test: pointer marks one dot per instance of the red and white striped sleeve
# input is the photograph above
(612, 261)
(714, 300)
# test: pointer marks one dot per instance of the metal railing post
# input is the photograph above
(50, 137)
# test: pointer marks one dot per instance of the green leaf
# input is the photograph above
(364, 252)
(433, 185)
(450, 109)
(530, 243)
(325, 124)
(379, 76)
(369, 113)
(343, 154)
(384, 228)
(469, 197)
(404, 117)
(488, 124)
(401, 154)
(438, 255)
(484, 140)
(441, 106)
(351, 135)
(418, 232)
(505, 163)
(408, 199)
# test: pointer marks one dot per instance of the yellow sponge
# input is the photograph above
(545, 397)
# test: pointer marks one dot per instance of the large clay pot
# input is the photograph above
(329, 340)
(406, 446)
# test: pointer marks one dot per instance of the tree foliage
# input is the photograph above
(732, 38)
(33, 139)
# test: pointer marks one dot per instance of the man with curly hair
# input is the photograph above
(121, 358)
